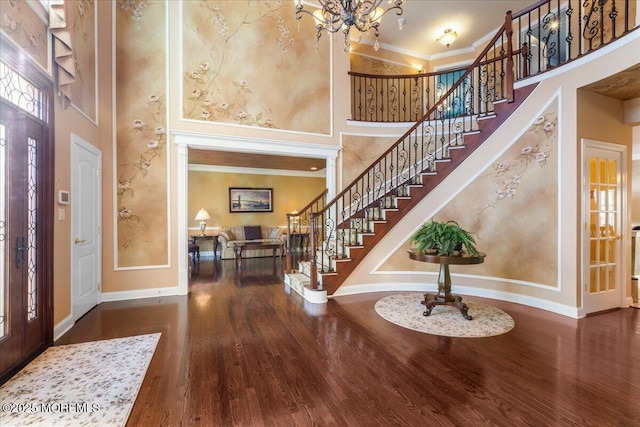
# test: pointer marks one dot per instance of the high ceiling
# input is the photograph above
(426, 20)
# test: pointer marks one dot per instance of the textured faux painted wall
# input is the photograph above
(246, 63)
(141, 147)
(512, 209)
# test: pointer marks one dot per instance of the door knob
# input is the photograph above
(619, 237)
(79, 240)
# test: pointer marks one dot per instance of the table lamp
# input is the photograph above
(202, 217)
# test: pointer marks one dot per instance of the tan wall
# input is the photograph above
(69, 121)
(600, 115)
(601, 118)
(210, 190)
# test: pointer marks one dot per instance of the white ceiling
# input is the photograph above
(425, 20)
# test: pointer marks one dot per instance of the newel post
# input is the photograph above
(313, 274)
(288, 257)
(508, 27)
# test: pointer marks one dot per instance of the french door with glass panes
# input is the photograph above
(604, 226)
(25, 233)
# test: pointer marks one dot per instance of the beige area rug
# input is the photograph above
(88, 384)
(406, 310)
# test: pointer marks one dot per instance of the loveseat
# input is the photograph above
(229, 236)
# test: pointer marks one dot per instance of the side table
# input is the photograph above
(444, 296)
(214, 238)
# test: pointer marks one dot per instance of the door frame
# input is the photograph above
(14, 58)
(625, 243)
(77, 143)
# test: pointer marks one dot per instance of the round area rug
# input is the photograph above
(406, 310)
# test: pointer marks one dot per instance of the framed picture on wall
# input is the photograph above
(250, 199)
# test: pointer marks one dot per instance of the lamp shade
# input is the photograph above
(202, 215)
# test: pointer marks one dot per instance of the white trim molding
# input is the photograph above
(141, 293)
(63, 327)
(534, 302)
(253, 145)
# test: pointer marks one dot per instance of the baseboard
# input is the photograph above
(565, 310)
(61, 328)
(139, 294)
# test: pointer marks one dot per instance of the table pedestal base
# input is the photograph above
(444, 296)
(429, 303)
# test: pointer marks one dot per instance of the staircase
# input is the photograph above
(342, 231)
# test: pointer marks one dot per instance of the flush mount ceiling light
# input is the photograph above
(447, 37)
(341, 15)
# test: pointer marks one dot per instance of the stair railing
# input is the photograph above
(298, 230)
(352, 212)
(547, 34)
(535, 40)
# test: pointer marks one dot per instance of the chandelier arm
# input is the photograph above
(341, 15)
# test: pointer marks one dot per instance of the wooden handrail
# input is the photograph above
(424, 117)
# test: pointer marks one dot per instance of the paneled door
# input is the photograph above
(22, 326)
(87, 199)
(604, 226)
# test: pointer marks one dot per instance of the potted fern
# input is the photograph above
(444, 239)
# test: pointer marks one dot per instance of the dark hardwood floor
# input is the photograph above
(239, 350)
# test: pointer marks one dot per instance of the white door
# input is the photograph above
(605, 222)
(86, 201)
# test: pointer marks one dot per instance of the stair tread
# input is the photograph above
(437, 171)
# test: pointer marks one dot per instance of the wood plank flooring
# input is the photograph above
(240, 351)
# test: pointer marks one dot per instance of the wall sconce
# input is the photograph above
(202, 217)
(447, 37)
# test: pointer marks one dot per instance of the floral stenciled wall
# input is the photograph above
(141, 148)
(22, 25)
(281, 82)
(512, 209)
(81, 15)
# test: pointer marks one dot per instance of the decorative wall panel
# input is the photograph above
(82, 19)
(246, 63)
(22, 25)
(512, 209)
(141, 148)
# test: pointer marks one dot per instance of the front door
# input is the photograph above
(22, 302)
(86, 259)
(604, 226)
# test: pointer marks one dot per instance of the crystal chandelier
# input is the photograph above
(341, 15)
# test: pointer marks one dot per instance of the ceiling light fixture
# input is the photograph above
(341, 15)
(447, 37)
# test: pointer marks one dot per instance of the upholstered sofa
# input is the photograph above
(229, 236)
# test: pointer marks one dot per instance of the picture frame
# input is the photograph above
(246, 199)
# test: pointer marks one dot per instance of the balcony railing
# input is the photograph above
(542, 37)
(546, 35)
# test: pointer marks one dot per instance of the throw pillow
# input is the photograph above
(275, 233)
(252, 232)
